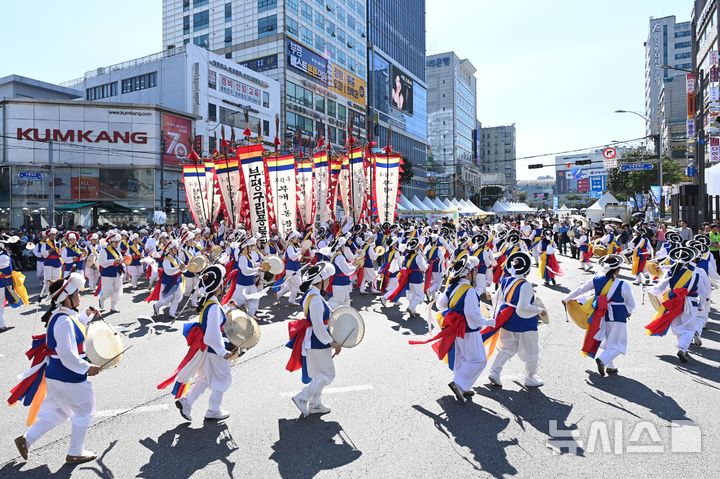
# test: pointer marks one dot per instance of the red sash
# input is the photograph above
(297, 330)
(673, 308)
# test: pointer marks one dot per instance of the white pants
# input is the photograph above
(470, 360)
(391, 286)
(613, 343)
(291, 284)
(93, 276)
(415, 294)
(135, 273)
(239, 296)
(173, 299)
(525, 345)
(40, 270)
(2, 306)
(215, 374)
(434, 282)
(482, 281)
(50, 273)
(369, 277)
(700, 320)
(74, 401)
(111, 288)
(340, 296)
(191, 289)
(683, 327)
(322, 371)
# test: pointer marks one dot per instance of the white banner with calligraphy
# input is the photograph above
(321, 171)
(359, 184)
(282, 188)
(387, 183)
(194, 183)
(304, 175)
(228, 178)
(253, 169)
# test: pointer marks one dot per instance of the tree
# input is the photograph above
(521, 196)
(407, 172)
(625, 184)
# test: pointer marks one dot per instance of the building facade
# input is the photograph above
(314, 50)
(537, 193)
(79, 154)
(452, 124)
(397, 101)
(706, 44)
(194, 80)
(673, 117)
(576, 185)
(668, 43)
(498, 153)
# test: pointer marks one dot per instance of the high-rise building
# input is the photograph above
(452, 113)
(668, 43)
(314, 49)
(673, 117)
(498, 154)
(396, 79)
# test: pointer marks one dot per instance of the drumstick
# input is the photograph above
(567, 320)
(345, 340)
(115, 357)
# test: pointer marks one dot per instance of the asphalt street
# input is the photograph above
(393, 414)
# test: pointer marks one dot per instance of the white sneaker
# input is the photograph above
(319, 409)
(302, 405)
(155, 309)
(533, 381)
(495, 379)
(185, 409)
(217, 415)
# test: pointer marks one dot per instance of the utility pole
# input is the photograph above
(52, 183)
(661, 206)
(700, 152)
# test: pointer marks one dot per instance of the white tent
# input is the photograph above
(405, 203)
(429, 205)
(604, 200)
(595, 212)
(438, 204)
(418, 204)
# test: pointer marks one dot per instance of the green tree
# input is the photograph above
(521, 196)
(624, 184)
(407, 172)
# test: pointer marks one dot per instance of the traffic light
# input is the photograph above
(583, 162)
(535, 167)
(168, 205)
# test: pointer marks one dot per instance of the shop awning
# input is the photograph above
(76, 206)
(113, 207)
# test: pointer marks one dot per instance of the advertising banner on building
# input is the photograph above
(348, 85)
(239, 90)
(401, 90)
(177, 137)
(304, 60)
(282, 188)
(583, 185)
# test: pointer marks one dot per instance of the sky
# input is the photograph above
(558, 69)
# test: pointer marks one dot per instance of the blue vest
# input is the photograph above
(6, 280)
(55, 368)
(340, 279)
(38, 249)
(416, 276)
(111, 271)
(291, 265)
(133, 253)
(620, 312)
(53, 258)
(516, 324)
(434, 255)
(368, 263)
(241, 279)
(71, 253)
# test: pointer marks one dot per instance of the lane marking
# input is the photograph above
(137, 410)
(337, 390)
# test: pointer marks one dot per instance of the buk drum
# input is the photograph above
(579, 313)
(242, 330)
(600, 250)
(197, 264)
(276, 264)
(544, 316)
(346, 326)
(103, 345)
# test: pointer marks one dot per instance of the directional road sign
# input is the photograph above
(609, 153)
(637, 167)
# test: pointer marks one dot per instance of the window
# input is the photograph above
(342, 112)
(186, 5)
(298, 122)
(101, 91)
(331, 108)
(265, 5)
(212, 112)
(199, 3)
(306, 35)
(228, 12)
(292, 6)
(267, 25)
(319, 43)
(140, 82)
(319, 22)
(685, 33)
(297, 94)
(683, 45)
(319, 104)
(211, 143)
(186, 24)
(186, 41)
(266, 128)
(228, 55)
(306, 11)
(202, 41)
(350, 23)
(201, 20)
(292, 26)
(679, 56)
(332, 135)
(330, 28)
(228, 36)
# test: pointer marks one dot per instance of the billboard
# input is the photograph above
(307, 61)
(401, 90)
(176, 134)
(347, 85)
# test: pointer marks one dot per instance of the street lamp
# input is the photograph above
(656, 139)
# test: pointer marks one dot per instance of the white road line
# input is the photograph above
(337, 390)
(141, 409)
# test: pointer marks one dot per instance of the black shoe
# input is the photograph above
(611, 370)
(469, 394)
(682, 356)
(600, 366)
(458, 392)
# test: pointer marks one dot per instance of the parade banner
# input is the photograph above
(344, 185)
(228, 178)
(194, 183)
(304, 175)
(213, 198)
(386, 185)
(250, 158)
(321, 172)
(335, 169)
(282, 191)
(358, 183)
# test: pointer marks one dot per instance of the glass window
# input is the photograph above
(292, 6)
(266, 99)
(351, 23)
(330, 28)
(186, 6)
(342, 112)
(332, 134)
(201, 20)
(306, 35)
(228, 12)
(265, 5)
(319, 22)
(200, 3)
(228, 36)
(320, 3)
(341, 36)
(341, 15)
(306, 11)
(319, 103)
(319, 43)
(331, 108)
(267, 26)
(292, 26)
(202, 41)
(186, 24)
(212, 112)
